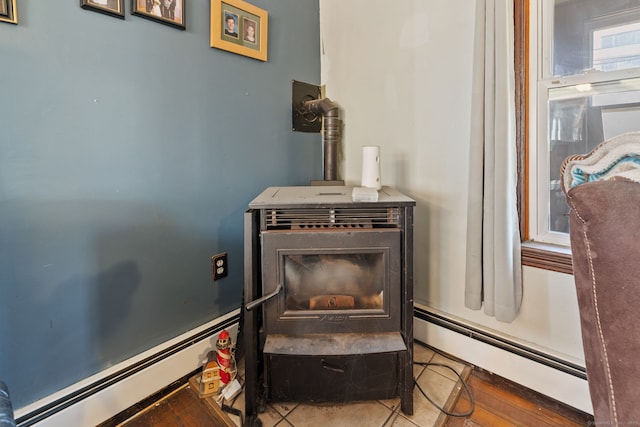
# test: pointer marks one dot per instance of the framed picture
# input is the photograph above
(108, 7)
(169, 12)
(8, 11)
(239, 27)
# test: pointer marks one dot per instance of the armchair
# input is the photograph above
(603, 192)
(6, 411)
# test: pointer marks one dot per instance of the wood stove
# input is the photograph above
(329, 297)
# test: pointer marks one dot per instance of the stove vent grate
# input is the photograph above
(330, 218)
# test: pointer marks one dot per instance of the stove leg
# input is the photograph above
(406, 382)
(252, 421)
(251, 319)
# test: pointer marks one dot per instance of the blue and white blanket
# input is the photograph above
(618, 157)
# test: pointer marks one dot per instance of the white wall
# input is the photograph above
(402, 78)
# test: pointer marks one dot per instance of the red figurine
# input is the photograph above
(223, 356)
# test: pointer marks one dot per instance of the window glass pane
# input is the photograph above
(616, 48)
(595, 35)
(581, 117)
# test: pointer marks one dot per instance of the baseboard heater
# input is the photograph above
(85, 392)
(501, 343)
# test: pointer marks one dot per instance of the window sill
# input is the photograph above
(547, 257)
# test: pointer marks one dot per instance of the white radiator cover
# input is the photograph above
(551, 382)
(114, 399)
(109, 402)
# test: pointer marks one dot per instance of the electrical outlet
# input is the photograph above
(219, 266)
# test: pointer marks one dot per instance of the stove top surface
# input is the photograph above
(323, 196)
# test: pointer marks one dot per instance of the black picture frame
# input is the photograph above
(168, 12)
(113, 8)
(8, 11)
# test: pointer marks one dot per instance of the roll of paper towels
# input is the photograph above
(371, 167)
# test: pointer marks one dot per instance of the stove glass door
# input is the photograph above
(343, 281)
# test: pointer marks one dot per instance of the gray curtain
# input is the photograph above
(493, 269)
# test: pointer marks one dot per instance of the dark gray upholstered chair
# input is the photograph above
(603, 192)
(6, 411)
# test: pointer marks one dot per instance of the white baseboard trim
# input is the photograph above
(551, 382)
(109, 401)
(89, 402)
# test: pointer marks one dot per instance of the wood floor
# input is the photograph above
(182, 408)
(501, 403)
(498, 403)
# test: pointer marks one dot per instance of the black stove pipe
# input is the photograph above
(329, 110)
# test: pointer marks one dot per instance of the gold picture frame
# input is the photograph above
(8, 11)
(239, 27)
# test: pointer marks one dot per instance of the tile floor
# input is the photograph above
(436, 381)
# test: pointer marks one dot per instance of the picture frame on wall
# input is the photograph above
(239, 27)
(8, 11)
(168, 12)
(113, 8)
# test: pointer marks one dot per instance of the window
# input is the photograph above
(583, 87)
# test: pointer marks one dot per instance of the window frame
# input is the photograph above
(550, 256)
(545, 256)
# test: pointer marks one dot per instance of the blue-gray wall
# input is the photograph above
(128, 153)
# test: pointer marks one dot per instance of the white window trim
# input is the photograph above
(540, 54)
